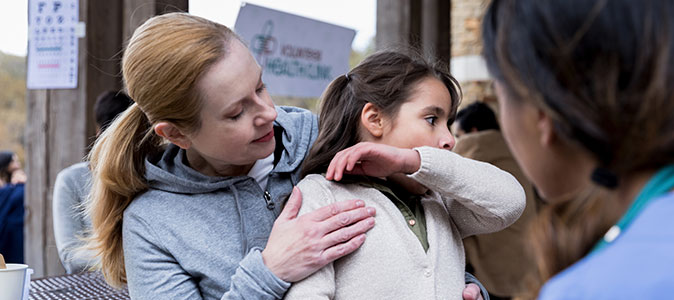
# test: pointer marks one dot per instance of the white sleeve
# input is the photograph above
(482, 198)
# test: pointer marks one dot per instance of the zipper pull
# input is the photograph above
(267, 198)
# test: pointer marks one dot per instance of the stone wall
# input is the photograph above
(466, 40)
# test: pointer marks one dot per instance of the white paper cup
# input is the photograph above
(15, 282)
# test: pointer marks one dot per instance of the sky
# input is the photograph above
(359, 15)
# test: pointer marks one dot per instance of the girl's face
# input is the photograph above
(237, 115)
(422, 119)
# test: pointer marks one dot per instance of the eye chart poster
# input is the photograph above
(52, 44)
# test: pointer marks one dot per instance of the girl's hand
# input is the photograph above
(299, 246)
(372, 159)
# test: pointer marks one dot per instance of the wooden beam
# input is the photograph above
(138, 11)
(423, 25)
(61, 124)
(398, 24)
(436, 35)
(37, 104)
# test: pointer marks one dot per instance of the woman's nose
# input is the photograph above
(267, 114)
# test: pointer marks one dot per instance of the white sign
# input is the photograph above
(299, 56)
(52, 44)
(469, 68)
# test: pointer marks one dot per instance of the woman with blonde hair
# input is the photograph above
(202, 216)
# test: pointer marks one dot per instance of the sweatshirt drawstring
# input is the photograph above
(242, 224)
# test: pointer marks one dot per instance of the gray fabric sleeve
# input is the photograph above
(481, 197)
(68, 220)
(253, 280)
(153, 273)
(471, 279)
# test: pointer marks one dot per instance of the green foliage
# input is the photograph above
(12, 102)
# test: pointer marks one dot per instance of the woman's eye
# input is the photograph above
(236, 117)
(431, 120)
(261, 88)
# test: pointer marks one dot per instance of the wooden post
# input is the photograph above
(398, 24)
(420, 24)
(436, 29)
(61, 124)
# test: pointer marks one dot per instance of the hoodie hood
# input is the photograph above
(295, 130)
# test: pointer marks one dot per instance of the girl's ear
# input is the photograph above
(372, 120)
(172, 134)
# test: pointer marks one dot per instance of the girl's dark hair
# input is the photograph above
(385, 79)
(602, 71)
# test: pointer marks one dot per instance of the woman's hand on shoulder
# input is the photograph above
(300, 246)
(372, 159)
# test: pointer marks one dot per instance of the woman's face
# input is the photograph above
(14, 165)
(237, 115)
(558, 170)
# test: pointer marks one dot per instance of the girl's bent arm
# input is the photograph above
(483, 197)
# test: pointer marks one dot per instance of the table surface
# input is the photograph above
(78, 286)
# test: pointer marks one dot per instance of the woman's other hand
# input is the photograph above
(372, 159)
(299, 246)
(472, 292)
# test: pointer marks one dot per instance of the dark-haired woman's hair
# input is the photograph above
(477, 115)
(385, 79)
(6, 158)
(602, 70)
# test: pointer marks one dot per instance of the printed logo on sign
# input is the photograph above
(292, 61)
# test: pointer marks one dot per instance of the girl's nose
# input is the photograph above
(447, 141)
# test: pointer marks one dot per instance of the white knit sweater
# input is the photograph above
(467, 197)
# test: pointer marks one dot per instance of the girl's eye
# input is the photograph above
(431, 120)
(261, 88)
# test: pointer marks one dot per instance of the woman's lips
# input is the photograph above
(266, 138)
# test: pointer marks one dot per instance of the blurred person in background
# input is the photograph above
(72, 187)
(12, 179)
(501, 260)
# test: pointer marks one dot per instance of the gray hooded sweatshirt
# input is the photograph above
(192, 236)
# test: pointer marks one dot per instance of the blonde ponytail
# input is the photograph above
(117, 163)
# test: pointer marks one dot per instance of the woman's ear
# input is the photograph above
(372, 120)
(172, 134)
(546, 129)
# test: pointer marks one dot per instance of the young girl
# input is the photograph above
(389, 119)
